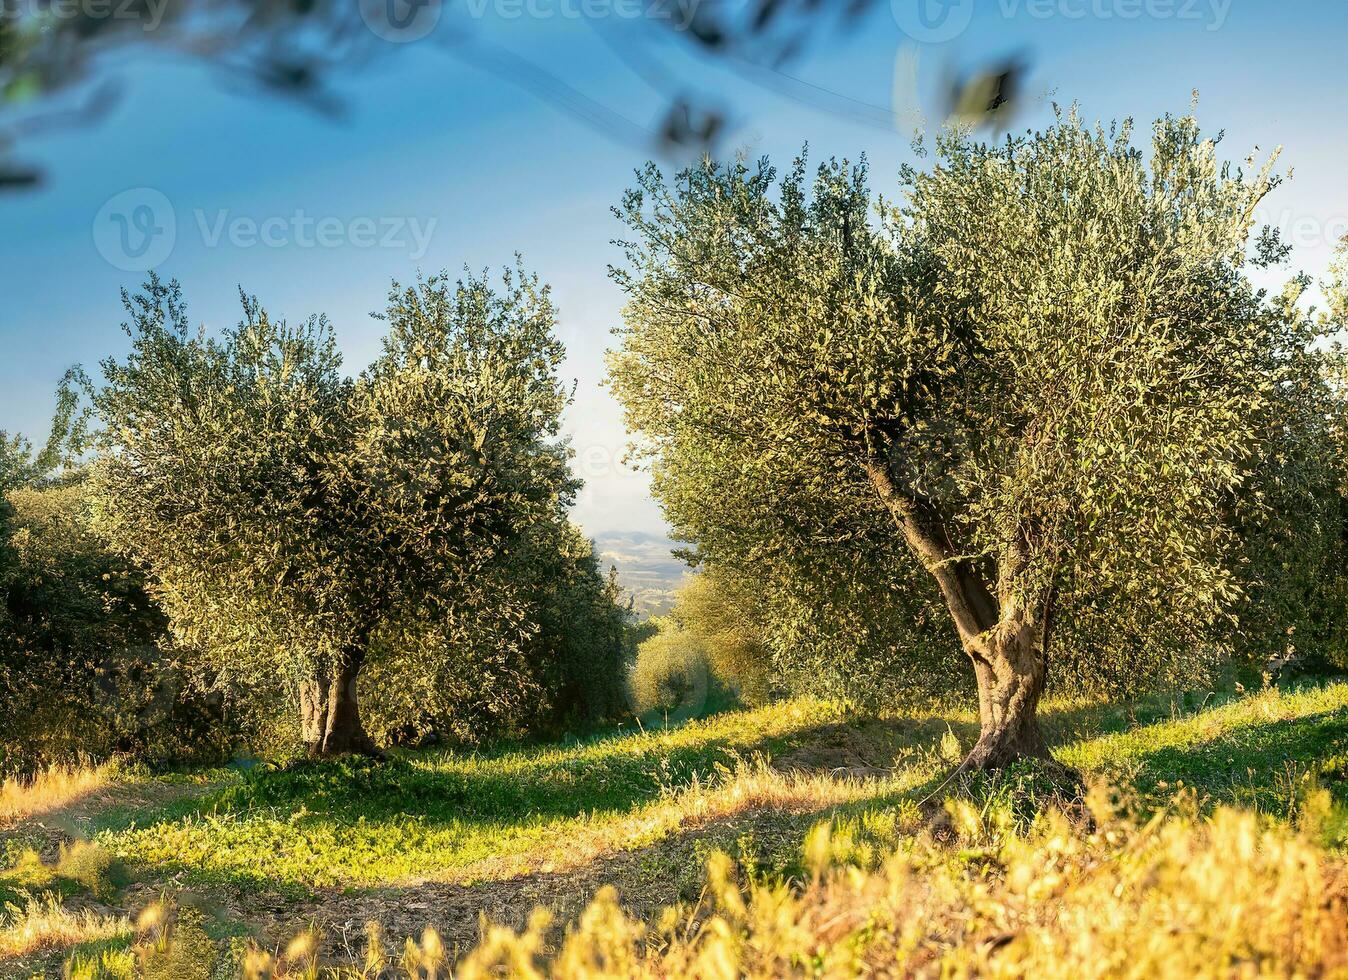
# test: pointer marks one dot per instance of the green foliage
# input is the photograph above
(1041, 382)
(184, 952)
(23, 875)
(706, 653)
(671, 678)
(1261, 751)
(1015, 797)
(299, 524)
(566, 673)
(104, 960)
(720, 612)
(88, 666)
(582, 641)
(80, 866)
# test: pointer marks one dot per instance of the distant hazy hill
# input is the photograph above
(645, 566)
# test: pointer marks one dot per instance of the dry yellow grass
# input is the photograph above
(47, 925)
(50, 789)
(1227, 896)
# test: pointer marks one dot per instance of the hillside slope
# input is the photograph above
(437, 838)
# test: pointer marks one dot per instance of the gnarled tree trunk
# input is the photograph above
(1009, 666)
(330, 714)
(1005, 638)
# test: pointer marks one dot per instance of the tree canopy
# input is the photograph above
(299, 522)
(1040, 386)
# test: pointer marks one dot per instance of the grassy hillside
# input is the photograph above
(237, 861)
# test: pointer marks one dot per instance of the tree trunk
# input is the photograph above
(1005, 637)
(330, 715)
(1009, 667)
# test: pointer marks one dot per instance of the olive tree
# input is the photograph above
(1044, 371)
(294, 520)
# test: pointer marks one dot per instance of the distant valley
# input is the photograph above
(646, 568)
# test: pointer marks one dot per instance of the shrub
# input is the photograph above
(92, 867)
(89, 668)
(565, 671)
(671, 675)
(720, 613)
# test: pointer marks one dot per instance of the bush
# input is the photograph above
(88, 666)
(672, 676)
(557, 665)
(91, 867)
(581, 645)
(721, 616)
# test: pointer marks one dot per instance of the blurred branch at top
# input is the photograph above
(61, 60)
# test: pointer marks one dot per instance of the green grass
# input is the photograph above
(428, 814)
(419, 813)
(1259, 751)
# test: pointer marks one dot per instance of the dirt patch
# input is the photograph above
(866, 748)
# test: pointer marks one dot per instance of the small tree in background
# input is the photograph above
(671, 678)
(1046, 369)
(297, 521)
(719, 612)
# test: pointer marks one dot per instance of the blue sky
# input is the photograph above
(436, 164)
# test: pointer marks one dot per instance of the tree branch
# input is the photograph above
(971, 603)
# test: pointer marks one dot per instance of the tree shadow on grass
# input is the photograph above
(1247, 760)
(354, 820)
(605, 776)
(433, 814)
(1259, 765)
(442, 789)
(648, 878)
